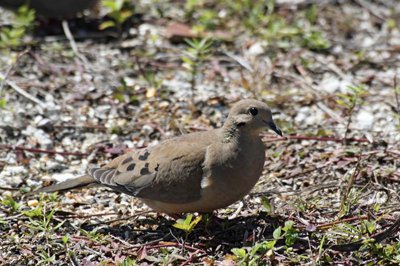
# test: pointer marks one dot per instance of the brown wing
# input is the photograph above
(169, 172)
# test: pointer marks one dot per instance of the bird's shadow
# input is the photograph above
(212, 233)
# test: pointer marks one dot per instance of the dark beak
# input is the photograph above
(276, 129)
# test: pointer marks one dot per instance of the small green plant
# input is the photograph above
(93, 235)
(125, 93)
(205, 18)
(128, 262)
(40, 219)
(196, 53)
(254, 255)
(46, 258)
(9, 201)
(312, 14)
(290, 234)
(349, 200)
(10, 37)
(187, 225)
(387, 254)
(315, 40)
(117, 13)
(349, 102)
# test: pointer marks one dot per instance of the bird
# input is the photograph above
(195, 172)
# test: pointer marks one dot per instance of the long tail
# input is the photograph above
(66, 185)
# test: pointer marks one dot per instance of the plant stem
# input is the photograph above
(193, 79)
(350, 114)
(396, 95)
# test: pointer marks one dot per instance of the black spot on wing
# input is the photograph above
(144, 156)
(156, 169)
(145, 169)
(127, 160)
(131, 167)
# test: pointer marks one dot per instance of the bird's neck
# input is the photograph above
(232, 133)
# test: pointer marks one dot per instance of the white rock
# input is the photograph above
(364, 119)
(62, 176)
(12, 175)
(333, 84)
(257, 48)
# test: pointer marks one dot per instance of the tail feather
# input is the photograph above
(66, 185)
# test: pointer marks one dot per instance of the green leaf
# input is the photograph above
(239, 252)
(266, 203)
(10, 202)
(128, 262)
(288, 226)
(270, 244)
(65, 239)
(106, 24)
(195, 222)
(3, 102)
(277, 233)
(36, 212)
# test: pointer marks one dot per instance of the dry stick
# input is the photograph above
(175, 244)
(33, 150)
(22, 92)
(371, 9)
(88, 216)
(353, 106)
(346, 220)
(4, 79)
(299, 137)
(396, 95)
(72, 42)
(330, 112)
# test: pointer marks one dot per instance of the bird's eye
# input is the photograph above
(253, 111)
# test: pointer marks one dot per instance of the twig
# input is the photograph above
(72, 42)
(299, 137)
(175, 244)
(329, 112)
(33, 150)
(129, 245)
(352, 107)
(88, 216)
(396, 95)
(372, 10)
(346, 220)
(22, 92)
(4, 79)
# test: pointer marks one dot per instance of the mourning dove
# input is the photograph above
(196, 172)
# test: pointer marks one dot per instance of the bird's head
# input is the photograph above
(253, 116)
